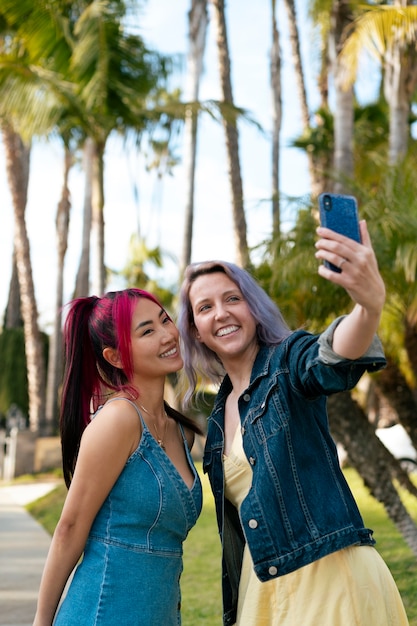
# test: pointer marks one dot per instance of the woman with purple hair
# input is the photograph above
(295, 548)
(133, 491)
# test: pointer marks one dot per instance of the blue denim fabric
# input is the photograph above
(299, 507)
(132, 563)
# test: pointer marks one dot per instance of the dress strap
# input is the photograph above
(182, 431)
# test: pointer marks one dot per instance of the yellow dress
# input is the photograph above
(351, 587)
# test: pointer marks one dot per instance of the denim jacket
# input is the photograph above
(299, 507)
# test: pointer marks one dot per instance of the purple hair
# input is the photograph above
(271, 327)
(91, 325)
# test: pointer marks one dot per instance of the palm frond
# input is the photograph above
(377, 30)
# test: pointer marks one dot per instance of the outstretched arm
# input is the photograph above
(361, 279)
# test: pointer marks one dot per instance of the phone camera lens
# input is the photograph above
(327, 201)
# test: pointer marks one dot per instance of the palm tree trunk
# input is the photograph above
(82, 282)
(343, 113)
(99, 270)
(302, 91)
(55, 342)
(232, 138)
(400, 79)
(198, 20)
(276, 123)
(394, 387)
(410, 341)
(12, 316)
(372, 460)
(17, 164)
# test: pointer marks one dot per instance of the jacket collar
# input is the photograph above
(260, 369)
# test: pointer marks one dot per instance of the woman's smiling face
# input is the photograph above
(154, 337)
(222, 317)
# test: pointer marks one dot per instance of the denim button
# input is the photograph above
(252, 461)
(273, 570)
(242, 430)
(253, 523)
(246, 397)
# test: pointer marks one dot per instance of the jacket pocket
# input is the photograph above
(270, 415)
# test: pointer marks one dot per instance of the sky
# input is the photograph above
(133, 196)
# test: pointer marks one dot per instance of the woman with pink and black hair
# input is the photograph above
(133, 491)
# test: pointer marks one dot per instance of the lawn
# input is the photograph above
(200, 583)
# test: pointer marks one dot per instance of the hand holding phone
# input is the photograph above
(339, 213)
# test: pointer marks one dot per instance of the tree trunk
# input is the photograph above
(13, 316)
(55, 364)
(302, 92)
(232, 138)
(373, 461)
(343, 113)
(198, 20)
(82, 283)
(99, 270)
(410, 341)
(396, 390)
(17, 164)
(400, 79)
(276, 124)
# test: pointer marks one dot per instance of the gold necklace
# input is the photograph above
(159, 440)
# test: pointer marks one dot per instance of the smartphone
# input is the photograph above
(339, 213)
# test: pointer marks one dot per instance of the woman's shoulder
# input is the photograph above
(299, 338)
(119, 412)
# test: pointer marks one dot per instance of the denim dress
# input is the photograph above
(132, 563)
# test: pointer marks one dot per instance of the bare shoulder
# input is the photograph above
(106, 444)
(118, 408)
(117, 423)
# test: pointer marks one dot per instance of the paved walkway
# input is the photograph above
(23, 548)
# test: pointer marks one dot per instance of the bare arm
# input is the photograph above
(112, 435)
(361, 279)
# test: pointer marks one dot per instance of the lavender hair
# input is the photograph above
(200, 360)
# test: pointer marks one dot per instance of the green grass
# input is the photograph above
(201, 580)
(48, 508)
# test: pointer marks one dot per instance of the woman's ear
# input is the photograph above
(112, 356)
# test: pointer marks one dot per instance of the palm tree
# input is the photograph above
(198, 20)
(389, 33)
(343, 111)
(302, 90)
(332, 19)
(12, 48)
(98, 75)
(17, 164)
(114, 75)
(232, 137)
(55, 360)
(93, 77)
(12, 315)
(82, 281)
(275, 73)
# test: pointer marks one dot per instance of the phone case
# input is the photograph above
(339, 213)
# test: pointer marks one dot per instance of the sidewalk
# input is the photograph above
(23, 548)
